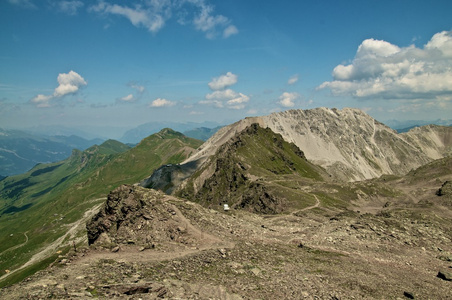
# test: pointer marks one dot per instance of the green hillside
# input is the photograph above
(35, 206)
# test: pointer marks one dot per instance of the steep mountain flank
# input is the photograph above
(40, 204)
(348, 143)
(251, 171)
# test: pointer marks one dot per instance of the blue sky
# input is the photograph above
(108, 66)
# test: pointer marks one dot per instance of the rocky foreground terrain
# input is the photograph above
(148, 245)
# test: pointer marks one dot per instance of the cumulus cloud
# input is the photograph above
(221, 95)
(231, 98)
(287, 99)
(69, 7)
(385, 71)
(238, 102)
(223, 81)
(68, 83)
(160, 102)
(293, 79)
(153, 14)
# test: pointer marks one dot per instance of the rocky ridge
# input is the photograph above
(348, 143)
(249, 172)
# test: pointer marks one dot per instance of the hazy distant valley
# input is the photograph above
(22, 150)
(324, 204)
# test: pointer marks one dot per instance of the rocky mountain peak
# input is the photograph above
(347, 142)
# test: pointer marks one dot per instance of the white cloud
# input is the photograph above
(128, 98)
(69, 83)
(206, 22)
(238, 102)
(293, 79)
(160, 102)
(222, 95)
(69, 7)
(222, 82)
(231, 98)
(386, 71)
(153, 14)
(131, 97)
(287, 99)
(41, 100)
(209, 23)
(230, 30)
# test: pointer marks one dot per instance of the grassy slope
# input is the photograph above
(257, 160)
(57, 194)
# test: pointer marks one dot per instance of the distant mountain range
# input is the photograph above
(20, 151)
(200, 131)
(404, 126)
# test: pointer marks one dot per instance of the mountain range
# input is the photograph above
(322, 203)
(200, 131)
(20, 151)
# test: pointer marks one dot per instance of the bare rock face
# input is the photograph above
(135, 216)
(348, 143)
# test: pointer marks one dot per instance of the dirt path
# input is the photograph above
(206, 242)
(294, 213)
(317, 203)
(17, 246)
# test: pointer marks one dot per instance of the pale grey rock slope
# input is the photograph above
(348, 143)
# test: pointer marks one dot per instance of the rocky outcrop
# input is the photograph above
(348, 143)
(134, 215)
